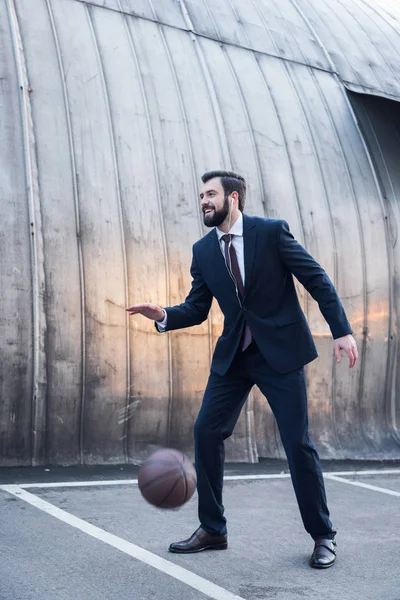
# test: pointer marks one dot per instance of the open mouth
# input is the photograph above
(208, 211)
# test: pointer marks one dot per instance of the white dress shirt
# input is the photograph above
(237, 242)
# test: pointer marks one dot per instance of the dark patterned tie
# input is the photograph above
(233, 265)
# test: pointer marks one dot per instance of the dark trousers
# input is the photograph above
(223, 400)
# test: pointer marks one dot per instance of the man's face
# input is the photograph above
(214, 205)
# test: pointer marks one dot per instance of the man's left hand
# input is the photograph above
(348, 344)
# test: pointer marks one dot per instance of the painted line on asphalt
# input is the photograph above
(64, 484)
(111, 482)
(367, 486)
(153, 560)
(261, 477)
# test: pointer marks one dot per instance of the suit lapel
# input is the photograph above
(249, 243)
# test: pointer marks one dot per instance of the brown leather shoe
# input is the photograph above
(324, 554)
(199, 541)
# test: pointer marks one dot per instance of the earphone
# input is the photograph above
(229, 267)
(230, 214)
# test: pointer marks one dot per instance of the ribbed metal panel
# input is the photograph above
(112, 111)
(362, 39)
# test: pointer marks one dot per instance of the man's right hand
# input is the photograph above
(151, 311)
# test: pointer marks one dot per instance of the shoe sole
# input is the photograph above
(322, 566)
(215, 547)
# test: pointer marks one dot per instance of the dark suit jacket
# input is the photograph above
(270, 303)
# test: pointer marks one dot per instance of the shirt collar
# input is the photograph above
(236, 229)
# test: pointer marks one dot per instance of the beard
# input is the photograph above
(217, 217)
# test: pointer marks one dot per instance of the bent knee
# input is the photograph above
(204, 430)
(299, 448)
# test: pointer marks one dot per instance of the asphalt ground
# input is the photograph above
(87, 534)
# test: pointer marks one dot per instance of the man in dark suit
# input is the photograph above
(247, 264)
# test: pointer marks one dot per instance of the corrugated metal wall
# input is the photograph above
(111, 111)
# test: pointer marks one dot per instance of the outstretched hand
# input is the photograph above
(151, 311)
(348, 344)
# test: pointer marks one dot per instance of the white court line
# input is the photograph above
(195, 581)
(65, 484)
(367, 486)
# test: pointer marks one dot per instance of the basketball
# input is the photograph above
(167, 479)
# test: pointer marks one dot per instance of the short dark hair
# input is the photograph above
(231, 182)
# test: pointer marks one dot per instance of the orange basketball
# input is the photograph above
(167, 479)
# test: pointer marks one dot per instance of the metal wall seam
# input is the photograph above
(249, 408)
(319, 40)
(355, 42)
(371, 41)
(316, 36)
(365, 299)
(191, 158)
(39, 371)
(212, 21)
(222, 137)
(281, 127)
(121, 222)
(375, 10)
(290, 164)
(250, 402)
(157, 181)
(279, 121)
(332, 228)
(296, 194)
(78, 228)
(227, 42)
(380, 11)
(210, 86)
(193, 178)
(276, 4)
(365, 295)
(366, 90)
(246, 112)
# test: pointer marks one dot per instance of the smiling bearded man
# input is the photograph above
(247, 264)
